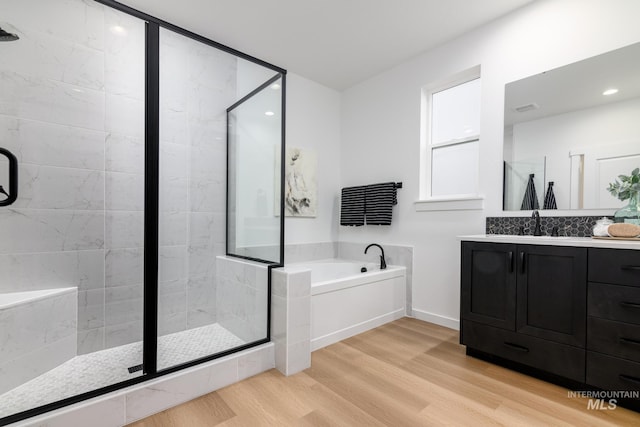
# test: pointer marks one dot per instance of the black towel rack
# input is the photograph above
(398, 185)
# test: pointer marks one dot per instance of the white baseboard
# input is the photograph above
(437, 319)
(334, 337)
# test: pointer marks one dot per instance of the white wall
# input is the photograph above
(313, 122)
(381, 127)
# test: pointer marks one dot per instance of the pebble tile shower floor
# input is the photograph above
(95, 370)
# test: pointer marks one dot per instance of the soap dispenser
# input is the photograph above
(601, 227)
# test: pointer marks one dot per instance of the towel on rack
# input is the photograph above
(530, 199)
(380, 199)
(352, 206)
(550, 198)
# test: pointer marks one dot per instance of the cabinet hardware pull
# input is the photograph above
(510, 261)
(629, 304)
(629, 378)
(516, 347)
(522, 267)
(624, 340)
(630, 267)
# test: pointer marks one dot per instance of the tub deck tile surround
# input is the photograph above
(291, 320)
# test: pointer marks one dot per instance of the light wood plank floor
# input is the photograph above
(405, 373)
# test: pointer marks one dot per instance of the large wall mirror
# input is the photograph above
(571, 131)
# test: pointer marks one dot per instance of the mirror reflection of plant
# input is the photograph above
(627, 186)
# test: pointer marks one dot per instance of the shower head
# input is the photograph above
(7, 37)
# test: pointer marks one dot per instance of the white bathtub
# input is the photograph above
(37, 331)
(346, 302)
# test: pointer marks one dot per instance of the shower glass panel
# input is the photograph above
(203, 310)
(255, 175)
(516, 178)
(71, 247)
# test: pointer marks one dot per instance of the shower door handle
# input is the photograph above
(12, 195)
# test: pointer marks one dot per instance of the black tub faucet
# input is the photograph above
(536, 215)
(383, 263)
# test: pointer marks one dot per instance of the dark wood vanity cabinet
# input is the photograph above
(567, 311)
(551, 295)
(527, 304)
(488, 278)
(613, 321)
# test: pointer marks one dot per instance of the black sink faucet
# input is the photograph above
(536, 216)
(383, 263)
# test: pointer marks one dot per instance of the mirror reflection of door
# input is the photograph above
(587, 133)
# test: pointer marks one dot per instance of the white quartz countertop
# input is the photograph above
(553, 241)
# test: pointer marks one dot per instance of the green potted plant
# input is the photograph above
(627, 187)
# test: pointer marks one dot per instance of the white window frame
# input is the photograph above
(426, 201)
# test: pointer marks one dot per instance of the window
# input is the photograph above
(450, 140)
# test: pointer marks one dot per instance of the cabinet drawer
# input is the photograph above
(612, 373)
(560, 359)
(614, 302)
(618, 266)
(614, 338)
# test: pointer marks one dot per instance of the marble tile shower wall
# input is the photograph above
(72, 110)
(197, 85)
(242, 297)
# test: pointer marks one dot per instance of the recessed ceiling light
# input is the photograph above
(610, 91)
(269, 113)
(275, 86)
(118, 30)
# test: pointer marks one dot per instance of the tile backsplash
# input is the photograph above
(573, 226)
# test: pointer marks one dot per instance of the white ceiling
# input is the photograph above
(575, 86)
(337, 43)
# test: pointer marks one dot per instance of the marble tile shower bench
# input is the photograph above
(38, 331)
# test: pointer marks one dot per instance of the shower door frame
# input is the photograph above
(151, 213)
(282, 154)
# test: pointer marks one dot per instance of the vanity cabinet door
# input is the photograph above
(552, 292)
(488, 284)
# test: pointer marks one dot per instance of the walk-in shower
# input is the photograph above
(141, 206)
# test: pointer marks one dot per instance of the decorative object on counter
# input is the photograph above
(600, 229)
(627, 187)
(624, 230)
(550, 198)
(530, 199)
(572, 226)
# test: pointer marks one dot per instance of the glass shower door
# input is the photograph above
(71, 254)
(255, 174)
(202, 310)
